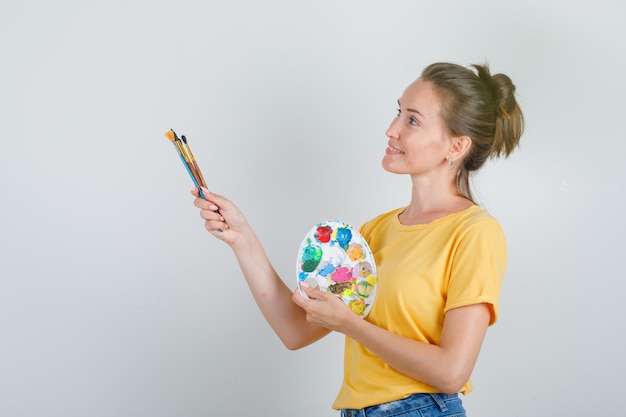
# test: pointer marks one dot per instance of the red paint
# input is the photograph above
(324, 233)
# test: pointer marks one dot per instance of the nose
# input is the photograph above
(393, 130)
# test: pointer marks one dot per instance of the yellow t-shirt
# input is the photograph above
(423, 271)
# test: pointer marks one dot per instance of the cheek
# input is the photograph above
(426, 154)
(418, 151)
(439, 147)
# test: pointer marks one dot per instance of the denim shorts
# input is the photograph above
(417, 405)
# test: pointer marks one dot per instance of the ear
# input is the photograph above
(459, 147)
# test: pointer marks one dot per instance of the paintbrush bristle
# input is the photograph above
(170, 135)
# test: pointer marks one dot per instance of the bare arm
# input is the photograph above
(446, 366)
(269, 291)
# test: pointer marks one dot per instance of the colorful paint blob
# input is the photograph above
(311, 257)
(335, 257)
(344, 236)
(324, 233)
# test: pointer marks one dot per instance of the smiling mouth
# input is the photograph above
(391, 149)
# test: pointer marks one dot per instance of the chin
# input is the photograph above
(388, 167)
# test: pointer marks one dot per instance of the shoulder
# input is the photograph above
(477, 228)
(387, 219)
(476, 215)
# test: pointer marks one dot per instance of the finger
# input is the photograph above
(211, 216)
(205, 204)
(215, 226)
(314, 293)
(301, 300)
(297, 296)
(218, 234)
(216, 199)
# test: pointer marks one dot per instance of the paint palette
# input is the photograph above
(335, 257)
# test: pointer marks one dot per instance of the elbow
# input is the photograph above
(451, 388)
(298, 340)
(293, 344)
(453, 381)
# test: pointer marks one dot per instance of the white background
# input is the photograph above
(114, 301)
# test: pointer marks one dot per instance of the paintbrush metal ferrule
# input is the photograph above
(190, 165)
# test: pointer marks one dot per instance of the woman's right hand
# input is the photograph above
(221, 217)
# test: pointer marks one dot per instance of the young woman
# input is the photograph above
(440, 260)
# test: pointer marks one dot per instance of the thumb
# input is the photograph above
(314, 293)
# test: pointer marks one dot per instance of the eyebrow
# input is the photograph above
(411, 110)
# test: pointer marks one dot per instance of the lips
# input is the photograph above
(392, 150)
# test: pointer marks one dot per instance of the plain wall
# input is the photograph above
(114, 300)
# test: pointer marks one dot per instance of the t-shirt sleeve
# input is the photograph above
(478, 268)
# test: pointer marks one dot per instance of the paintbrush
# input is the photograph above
(191, 170)
(192, 159)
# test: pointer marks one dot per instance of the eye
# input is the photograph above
(411, 120)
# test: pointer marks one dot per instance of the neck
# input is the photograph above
(431, 201)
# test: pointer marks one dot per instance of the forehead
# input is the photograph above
(421, 96)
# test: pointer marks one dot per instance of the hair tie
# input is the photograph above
(504, 113)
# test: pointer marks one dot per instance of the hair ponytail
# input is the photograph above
(510, 124)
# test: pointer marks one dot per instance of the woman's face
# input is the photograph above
(418, 140)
